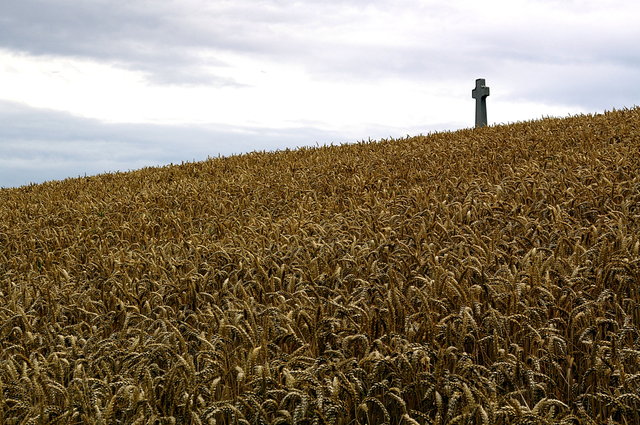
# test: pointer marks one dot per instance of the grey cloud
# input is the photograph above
(150, 36)
(38, 145)
(165, 39)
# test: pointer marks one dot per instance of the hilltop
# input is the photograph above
(483, 276)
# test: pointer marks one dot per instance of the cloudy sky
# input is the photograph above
(88, 86)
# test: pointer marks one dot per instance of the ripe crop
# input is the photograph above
(487, 276)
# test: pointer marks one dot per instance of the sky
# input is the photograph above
(92, 86)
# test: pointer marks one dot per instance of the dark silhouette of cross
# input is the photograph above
(480, 94)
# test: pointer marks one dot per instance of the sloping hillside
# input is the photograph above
(487, 276)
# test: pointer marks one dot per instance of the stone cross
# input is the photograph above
(480, 94)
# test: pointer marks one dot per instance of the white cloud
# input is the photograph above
(272, 95)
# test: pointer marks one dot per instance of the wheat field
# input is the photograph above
(483, 276)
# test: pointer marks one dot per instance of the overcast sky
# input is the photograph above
(88, 86)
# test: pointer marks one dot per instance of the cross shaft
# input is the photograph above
(480, 94)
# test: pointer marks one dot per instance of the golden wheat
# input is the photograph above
(483, 276)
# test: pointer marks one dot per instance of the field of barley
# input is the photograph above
(483, 276)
